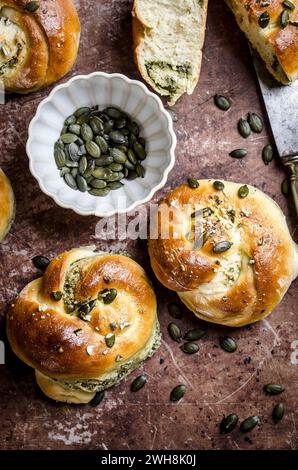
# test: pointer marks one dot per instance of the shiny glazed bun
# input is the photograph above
(39, 42)
(230, 258)
(7, 205)
(87, 323)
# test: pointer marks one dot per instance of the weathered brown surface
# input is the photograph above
(217, 382)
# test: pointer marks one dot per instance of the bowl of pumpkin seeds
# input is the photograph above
(101, 144)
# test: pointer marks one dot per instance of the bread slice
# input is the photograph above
(277, 41)
(168, 41)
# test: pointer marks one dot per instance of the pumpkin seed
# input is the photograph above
(107, 295)
(71, 164)
(93, 149)
(285, 187)
(115, 185)
(190, 348)
(222, 102)
(57, 295)
(68, 138)
(90, 168)
(139, 150)
(75, 129)
(82, 110)
(174, 332)
(118, 155)
(178, 392)
(74, 172)
(83, 118)
(138, 383)
(102, 143)
(218, 185)
(115, 167)
(82, 150)
(205, 212)
(113, 113)
(140, 170)
(133, 128)
(255, 122)
(83, 163)
(73, 151)
(278, 412)
(174, 310)
(288, 4)
(32, 6)
(63, 171)
(273, 389)
(117, 137)
(81, 183)
(249, 423)
(60, 158)
(267, 154)
(104, 161)
(70, 120)
(98, 184)
(96, 125)
(70, 181)
(129, 165)
(284, 19)
(41, 262)
(244, 128)
(193, 183)
(243, 191)
(110, 340)
(194, 334)
(108, 127)
(99, 192)
(221, 247)
(228, 344)
(132, 175)
(86, 132)
(99, 396)
(132, 157)
(238, 153)
(264, 20)
(102, 173)
(228, 423)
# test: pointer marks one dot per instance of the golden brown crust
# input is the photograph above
(56, 391)
(45, 336)
(52, 35)
(235, 287)
(7, 205)
(283, 41)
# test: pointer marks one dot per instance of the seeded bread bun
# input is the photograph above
(38, 42)
(7, 205)
(86, 324)
(231, 259)
(275, 37)
(168, 42)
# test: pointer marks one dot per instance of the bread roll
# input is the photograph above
(7, 205)
(230, 259)
(275, 39)
(86, 324)
(168, 41)
(38, 42)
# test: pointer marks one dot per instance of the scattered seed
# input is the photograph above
(267, 154)
(285, 187)
(249, 423)
(243, 191)
(228, 344)
(273, 389)
(221, 247)
(178, 392)
(278, 412)
(194, 334)
(41, 262)
(238, 153)
(190, 348)
(174, 332)
(107, 295)
(70, 181)
(138, 383)
(32, 6)
(218, 185)
(244, 128)
(228, 423)
(264, 20)
(255, 122)
(81, 183)
(175, 310)
(284, 19)
(110, 340)
(99, 396)
(193, 183)
(57, 295)
(222, 102)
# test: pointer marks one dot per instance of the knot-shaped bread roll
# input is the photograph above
(228, 253)
(87, 323)
(7, 205)
(38, 42)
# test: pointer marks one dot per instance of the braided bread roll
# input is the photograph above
(7, 205)
(231, 259)
(86, 324)
(38, 42)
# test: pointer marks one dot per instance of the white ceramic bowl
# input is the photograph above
(104, 90)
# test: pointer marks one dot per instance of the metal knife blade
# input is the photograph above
(281, 102)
